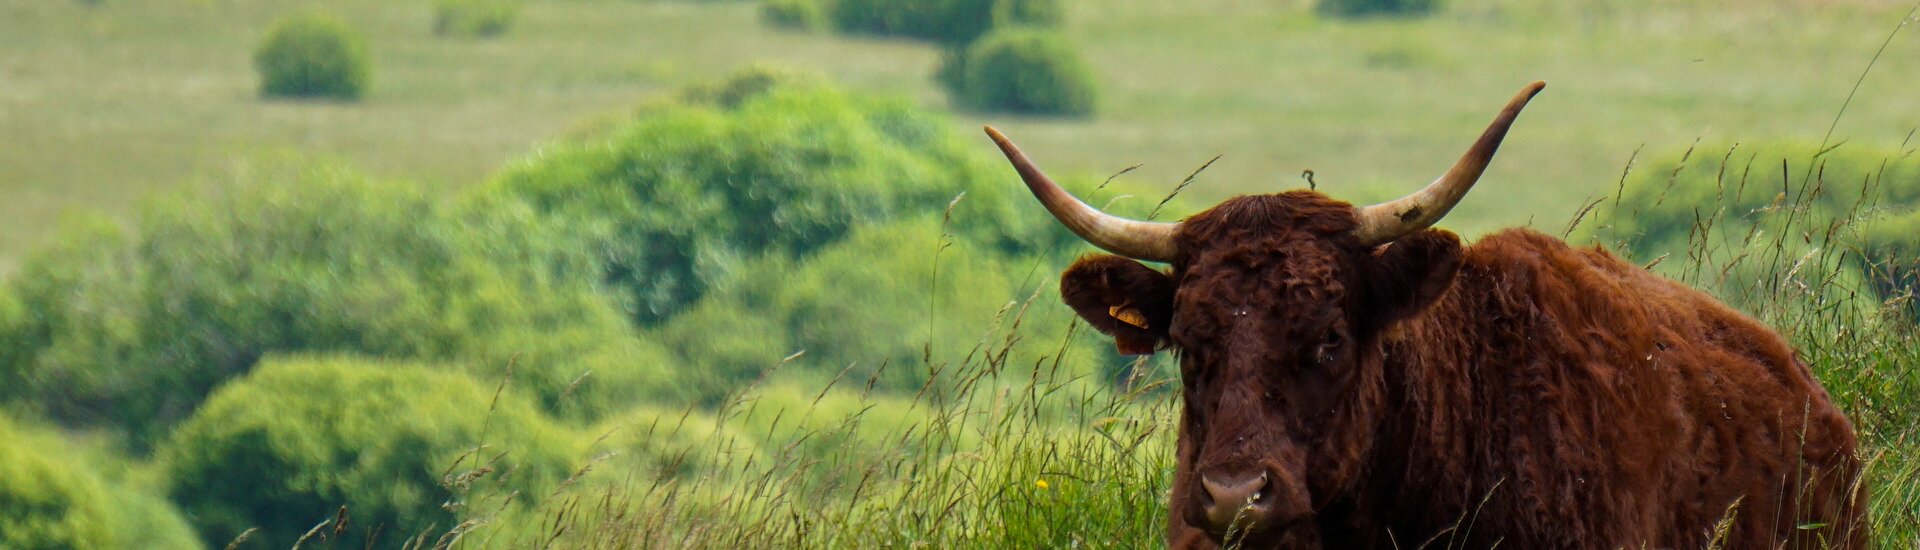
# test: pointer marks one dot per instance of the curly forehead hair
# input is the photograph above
(1299, 237)
(1240, 220)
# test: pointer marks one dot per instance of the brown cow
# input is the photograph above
(1353, 379)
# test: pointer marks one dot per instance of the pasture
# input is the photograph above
(588, 284)
(105, 103)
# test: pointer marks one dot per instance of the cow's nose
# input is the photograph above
(1237, 504)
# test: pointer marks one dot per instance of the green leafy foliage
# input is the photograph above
(679, 199)
(50, 500)
(1366, 8)
(405, 448)
(481, 18)
(794, 14)
(1022, 71)
(131, 330)
(749, 83)
(313, 56)
(1029, 13)
(871, 306)
(951, 22)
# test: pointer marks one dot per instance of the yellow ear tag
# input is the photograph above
(1128, 315)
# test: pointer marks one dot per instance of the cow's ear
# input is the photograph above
(1131, 302)
(1408, 274)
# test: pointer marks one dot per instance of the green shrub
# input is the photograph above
(865, 301)
(131, 329)
(406, 449)
(751, 82)
(935, 20)
(1030, 13)
(1023, 71)
(46, 501)
(794, 14)
(50, 499)
(313, 56)
(677, 200)
(13, 358)
(1365, 8)
(1401, 50)
(482, 18)
(951, 22)
(875, 309)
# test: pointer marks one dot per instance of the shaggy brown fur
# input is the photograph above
(1517, 392)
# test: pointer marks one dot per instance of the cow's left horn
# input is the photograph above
(1384, 222)
(1151, 241)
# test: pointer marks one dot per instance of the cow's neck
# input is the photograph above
(1419, 466)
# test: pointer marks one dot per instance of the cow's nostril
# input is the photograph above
(1235, 489)
(1235, 503)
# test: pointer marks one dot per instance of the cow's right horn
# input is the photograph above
(1151, 241)
(1383, 223)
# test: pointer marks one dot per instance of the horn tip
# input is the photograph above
(1533, 89)
(997, 137)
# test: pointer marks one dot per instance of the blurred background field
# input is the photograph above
(110, 102)
(613, 273)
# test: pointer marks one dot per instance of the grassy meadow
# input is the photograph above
(645, 273)
(165, 90)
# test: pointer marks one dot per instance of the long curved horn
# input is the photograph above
(1151, 241)
(1384, 222)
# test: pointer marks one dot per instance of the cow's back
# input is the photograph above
(1570, 399)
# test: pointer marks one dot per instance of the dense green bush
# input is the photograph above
(132, 329)
(50, 497)
(951, 22)
(748, 83)
(794, 14)
(678, 199)
(884, 309)
(1022, 71)
(406, 449)
(1363, 8)
(313, 56)
(481, 18)
(870, 301)
(803, 219)
(13, 359)
(1030, 13)
(47, 501)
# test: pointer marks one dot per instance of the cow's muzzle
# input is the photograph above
(1237, 505)
(1248, 505)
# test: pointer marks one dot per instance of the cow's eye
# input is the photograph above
(1329, 346)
